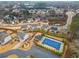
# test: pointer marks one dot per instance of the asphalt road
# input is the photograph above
(36, 51)
(70, 15)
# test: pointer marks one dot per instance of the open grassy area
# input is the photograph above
(55, 20)
(75, 22)
(74, 27)
(74, 30)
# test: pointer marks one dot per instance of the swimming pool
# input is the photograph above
(54, 44)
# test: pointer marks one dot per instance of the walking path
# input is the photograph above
(17, 45)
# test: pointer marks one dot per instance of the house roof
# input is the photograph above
(3, 35)
(20, 35)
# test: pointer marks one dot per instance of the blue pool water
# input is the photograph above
(52, 43)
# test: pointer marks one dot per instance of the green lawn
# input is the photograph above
(74, 27)
(75, 23)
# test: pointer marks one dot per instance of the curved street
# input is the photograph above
(70, 15)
